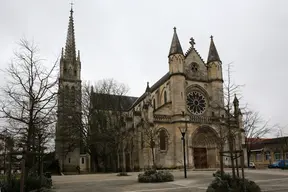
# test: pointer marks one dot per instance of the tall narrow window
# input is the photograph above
(142, 140)
(154, 104)
(66, 96)
(73, 96)
(165, 97)
(163, 139)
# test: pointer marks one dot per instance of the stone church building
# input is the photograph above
(185, 96)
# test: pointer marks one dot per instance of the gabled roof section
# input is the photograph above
(102, 101)
(192, 47)
(213, 53)
(175, 47)
(278, 140)
(152, 89)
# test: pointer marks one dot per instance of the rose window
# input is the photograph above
(196, 103)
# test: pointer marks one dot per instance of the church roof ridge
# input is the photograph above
(152, 88)
(190, 50)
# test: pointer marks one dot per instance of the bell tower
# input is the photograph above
(215, 77)
(68, 129)
(177, 76)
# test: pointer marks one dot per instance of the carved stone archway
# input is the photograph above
(204, 145)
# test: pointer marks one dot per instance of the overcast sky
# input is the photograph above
(129, 40)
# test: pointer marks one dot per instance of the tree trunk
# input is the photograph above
(237, 167)
(231, 154)
(248, 157)
(221, 162)
(153, 158)
(5, 156)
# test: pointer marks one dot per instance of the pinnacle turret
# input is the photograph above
(213, 53)
(147, 88)
(236, 101)
(175, 45)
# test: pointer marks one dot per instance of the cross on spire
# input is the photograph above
(174, 28)
(71, 6)
(192, 41)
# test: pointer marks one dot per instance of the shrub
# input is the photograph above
(227, 184)
(122, 174)
(32, 183)
(153, 176)
(13, 185)
(136, 168)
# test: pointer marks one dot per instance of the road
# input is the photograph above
(197, 181)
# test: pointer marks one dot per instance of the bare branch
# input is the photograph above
(28, 99)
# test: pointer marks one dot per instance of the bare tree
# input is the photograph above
(283, 141)
(107, 131)
(255, 129)
(6, 146)
(149, 134)
(102, 124)
(28, 100)
(228, 118)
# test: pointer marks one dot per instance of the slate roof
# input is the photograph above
(153, 88)
(278, 140)
(213, 53)
(175, 47)
(112, 102)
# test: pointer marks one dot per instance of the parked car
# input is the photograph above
(279, 164)
(252, 165)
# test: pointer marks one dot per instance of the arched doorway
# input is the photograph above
(204, 143)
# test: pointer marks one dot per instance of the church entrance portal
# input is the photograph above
(200, 158)
(204, 144)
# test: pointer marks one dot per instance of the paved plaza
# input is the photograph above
(197, 181)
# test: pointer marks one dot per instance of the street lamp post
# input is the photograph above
(183, 131)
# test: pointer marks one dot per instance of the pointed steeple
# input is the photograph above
(70, 49)
(213, 54)
(175, 45)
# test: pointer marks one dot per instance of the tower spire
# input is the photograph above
(175, 45)
(70, 48)
(213, 53)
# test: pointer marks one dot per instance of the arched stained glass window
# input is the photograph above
(165, 97)
(163, 139)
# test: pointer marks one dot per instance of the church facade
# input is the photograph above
(184, 97)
